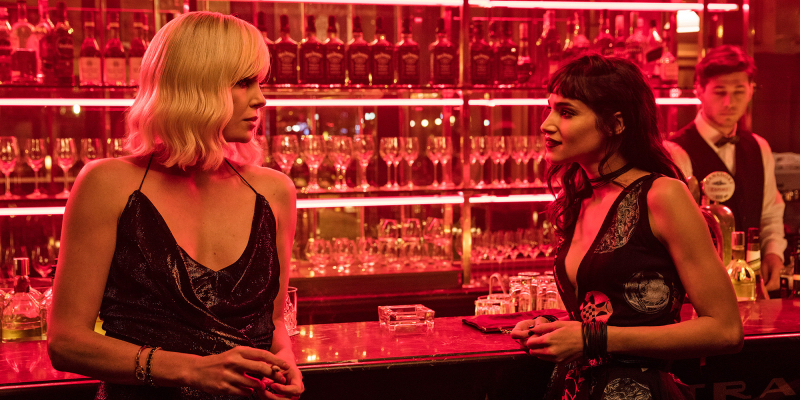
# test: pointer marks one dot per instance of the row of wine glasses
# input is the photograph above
(66, 153)
(522, 149)
(42, 257)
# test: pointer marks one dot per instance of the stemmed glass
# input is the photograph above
(439, 150)
(499, 154)
(91, 149)
(35, 151)
(116, 148)
(312, 148)
(536, 153)
(363, 149)
(285, 151)
(41, 260)
(368, 251)
(340, 149)
(388, 239)
(390, 152)
(318, 253)
(9, 154)
(409, 151)
(65, 154)
(519, 150)
(480, 153)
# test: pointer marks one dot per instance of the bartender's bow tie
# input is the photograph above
(725, 140)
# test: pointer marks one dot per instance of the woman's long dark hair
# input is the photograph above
(607, 85)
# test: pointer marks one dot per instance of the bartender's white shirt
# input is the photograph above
(772, 237)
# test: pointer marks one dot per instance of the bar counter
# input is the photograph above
(361, 360)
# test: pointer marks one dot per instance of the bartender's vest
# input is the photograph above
(748, 197)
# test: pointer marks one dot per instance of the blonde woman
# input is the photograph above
(183, 247)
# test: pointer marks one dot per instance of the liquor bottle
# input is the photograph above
(5, 47)
(381, 56)
(620, 37)
(64, 57)
(576, 43)
(24, 48)
(753, 258)
(91, 60)
(481, 57)
(604, 42)
(407, 57)
(741, 275)
(334, 65)
(138, 47)
(286, 56)
(636, 42)
(655, 46)
(726, 222)
(358, 55)
(261, 24)
(43, 32)
(507, 58)
(114, 61)
(311, 55)
(667, 66)
(21, 321)
(46, 302)
(548, 49)
(524, 66)
(444, 58)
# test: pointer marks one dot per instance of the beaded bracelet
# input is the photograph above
(138, 371)
(550, 318)
(148, 376)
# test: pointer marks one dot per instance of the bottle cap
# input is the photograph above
(261, 21)
(523, 31)
(88, 18)
(284, 23)
(311, 24)
(407, 25)
(331, 24)
(753, 235)
(379, 26)
(440, 26)
(22, 266)
(737, 240)
(357, 24)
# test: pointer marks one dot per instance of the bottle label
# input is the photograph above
(669, 72)
(508, 68)
(359, 69)
(443, 66)
(5, 60)
(65, 47)
(382, 67)
(409, 66)
(23, 65)
(115, 71)
(287, 65)
(335, 68)
(481, 68)
(719, 186)
(135, 64)
(312, 61)
(90, 71)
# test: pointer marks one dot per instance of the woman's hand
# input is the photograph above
(291, 388)
(238, 371)
(560, 341)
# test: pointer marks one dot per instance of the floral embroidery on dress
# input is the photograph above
(622, 225)
(626, 389)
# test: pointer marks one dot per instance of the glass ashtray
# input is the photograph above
(406, 316)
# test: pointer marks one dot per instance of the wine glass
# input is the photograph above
(42, 260)
(35, 151)
(389, 151)
(435, 150)
(363, 149)
(409, 151)
(9, 154)
(285, 151)
(519, 149)
(499, 148)
(343, 251)
(388, 238)
(65, 154)
(91, 149)
(536, 153)
(340, 148)
(318, 252)
(312, 148)
(446, 144)
(480, 153)
(368, 251)
(116, 148)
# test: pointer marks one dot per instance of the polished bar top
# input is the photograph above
(366, 345)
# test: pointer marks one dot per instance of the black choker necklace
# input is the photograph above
(606, 179)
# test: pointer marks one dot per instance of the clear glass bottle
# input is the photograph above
(311, 55)
(481, 57)
(604, 42)
(5, 47)
(261, 24)
(90, 70)
(525, 66)
(444, 58)
(667, 66)
(138, 47)
(742, 276)
(20, 320)
(64, 57)
(753, 258)
(114, 59)
(46, 302)
(548, 49)
(620, 37)
(358, 55)
(335, 68)
(381, 56)
(724, 217)
(24, 48)
(507, 57)
(407, 57)
(579, 44)
(285, 64)
(44, 34)
(637, 42)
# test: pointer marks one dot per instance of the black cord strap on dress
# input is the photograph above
(145, 171)
(608, 178)
(240, 176)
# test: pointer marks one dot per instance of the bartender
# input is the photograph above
(715, 141)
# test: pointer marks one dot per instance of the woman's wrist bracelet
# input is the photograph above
(148, 375)
(138, 371)
(548, 317)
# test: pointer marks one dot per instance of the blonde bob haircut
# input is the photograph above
(185, 99)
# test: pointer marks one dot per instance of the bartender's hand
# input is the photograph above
(771, 266)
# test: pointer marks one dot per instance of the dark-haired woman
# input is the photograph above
(633, 245)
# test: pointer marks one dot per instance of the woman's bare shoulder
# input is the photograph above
(274, 185)
(669, 196)
(109, 179)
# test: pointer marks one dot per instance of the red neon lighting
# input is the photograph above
(270, 102)
(614, 6)
(514, 198)
(684, 101)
